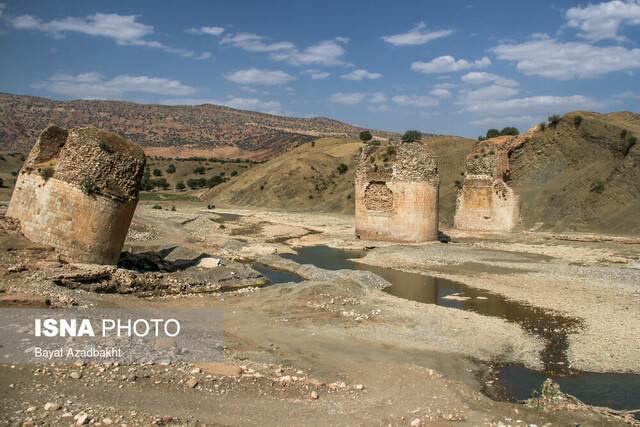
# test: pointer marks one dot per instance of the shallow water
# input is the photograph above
(619, 391)
(275, 276)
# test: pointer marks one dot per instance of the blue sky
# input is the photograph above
(455, 68)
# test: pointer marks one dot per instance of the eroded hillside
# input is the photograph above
(558, 172)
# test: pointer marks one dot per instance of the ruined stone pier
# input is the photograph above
(396, 193)
(485, 202)
(77, 191)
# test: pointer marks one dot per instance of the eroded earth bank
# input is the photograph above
(334, 348)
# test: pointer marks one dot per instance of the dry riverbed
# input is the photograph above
(333, 349)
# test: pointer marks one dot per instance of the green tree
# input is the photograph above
(509, 130)
(342, 168)
(597, 186)
(365, 136)
(492, 133)
(171, 168)
(199, 170)
(157, 172)
(554, 119)
(180, 186)
(412, 136)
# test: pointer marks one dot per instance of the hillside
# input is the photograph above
(169, 131)
(307, 179)
(554, 171)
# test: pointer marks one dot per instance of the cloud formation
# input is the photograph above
(603, 21)
(260, 77)
(325, 53)
(548, 57)
(448, 64)
(415, 101)
(212, 31)
(92, 85)
(124, 29)
(360, 74)
(416, 36)
(255, 43)
(480, 77)
(347, 98)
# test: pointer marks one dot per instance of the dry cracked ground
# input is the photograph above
(334, 349)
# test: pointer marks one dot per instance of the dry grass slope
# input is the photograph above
(306, 178)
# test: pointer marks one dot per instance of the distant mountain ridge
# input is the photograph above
(171, 131)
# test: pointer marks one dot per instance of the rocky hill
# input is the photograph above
(582, 174)
(307, 178)
(169, 131)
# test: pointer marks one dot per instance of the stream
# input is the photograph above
(617, 391)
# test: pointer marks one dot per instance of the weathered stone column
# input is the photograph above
(77, 191)
(397, 193)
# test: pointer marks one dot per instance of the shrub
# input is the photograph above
(510, 130)
(342, 168)
(481, 138)
(88, 186)
(162, 183)
(374, 142)
(542, 125)
(633, 140)
(623, 133)
(234, 173)
(171, 168)
(412, 136)
(554, 119)
(180, 186)
(214, 180)
(157, 172)
(492, 133)
(14, 173)
(22, 157)
(46, 173)
(313, 143)
(192, 183)
(491, 152)
(365, 136)
(105, 147)
(199, 170)
(173, 208)
(262, 187)
(475, 156)
(458, 183)
(157, 207)
(577, 120)
(597, 186)
(1, 182)
(2, 158)
(391, 150)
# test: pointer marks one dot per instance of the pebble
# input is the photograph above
(75, 375)
(191, 383)
(107, 421)
(314, 395)
(81, 419)
(50, 406)
(415, 422)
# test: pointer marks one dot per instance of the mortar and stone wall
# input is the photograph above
(396, 193)
(485, 202)
(85, 208)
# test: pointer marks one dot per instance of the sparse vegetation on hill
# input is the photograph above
(171, 131)
(584, 178)
(494, 133)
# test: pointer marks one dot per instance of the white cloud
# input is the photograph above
(563, 61)
(93, 85)
(544, 104)
(628, 94)
(480, 77)
(347, 98)
(255, 43)
(447, 64)
(360, 74)
(416, 36)
(416, 101)
(316, 74)
(488, 93)
(440, 93)
(378, 97)
(381, 107)
(261, 77)
(326, 53)
(111, 25)
(124, 29)
(446, 86)
(603, 21)
(252, 104)
(212, 31)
